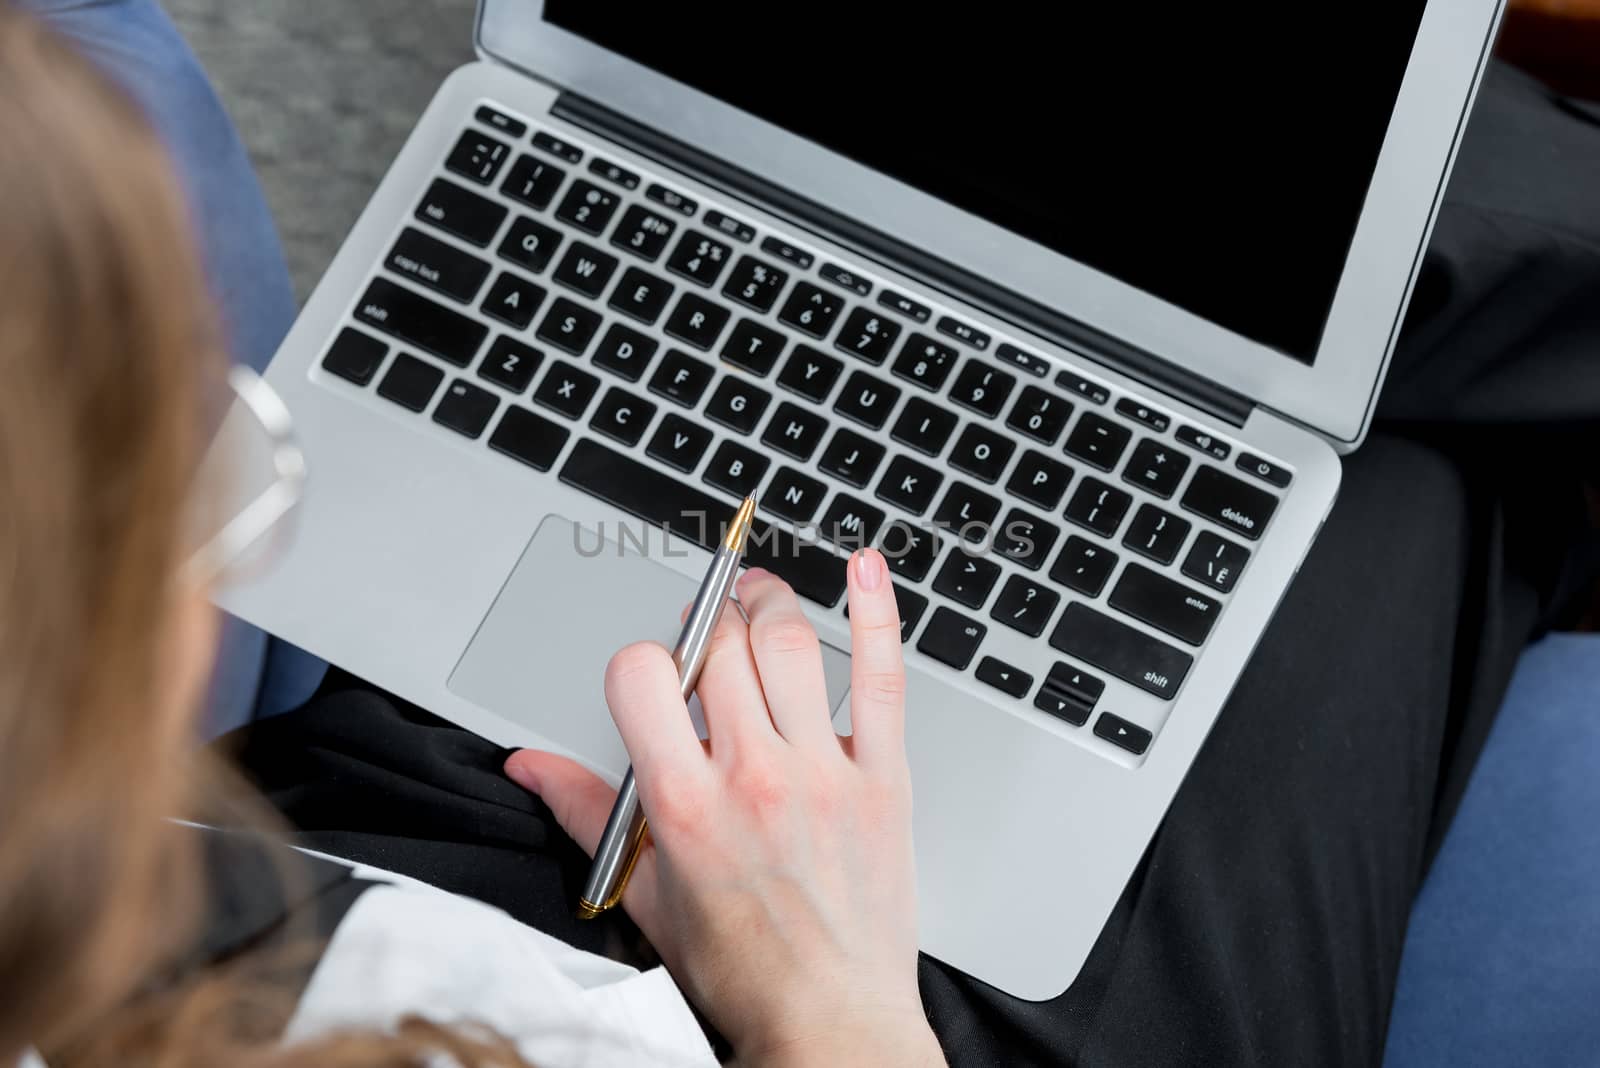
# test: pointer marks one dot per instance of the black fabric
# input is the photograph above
(1265, 923)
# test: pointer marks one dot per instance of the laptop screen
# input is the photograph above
(1215, 156)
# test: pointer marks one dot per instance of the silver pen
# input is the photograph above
(623, 839)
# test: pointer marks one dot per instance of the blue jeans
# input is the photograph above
(135, 43)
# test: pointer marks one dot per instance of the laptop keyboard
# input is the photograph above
(667, 358)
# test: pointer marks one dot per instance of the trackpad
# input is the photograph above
(539, 656)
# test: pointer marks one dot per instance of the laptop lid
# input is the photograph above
(1244, 191)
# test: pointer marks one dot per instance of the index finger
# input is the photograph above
(646, 701)
(877, 671)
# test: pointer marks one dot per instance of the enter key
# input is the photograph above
(1169, 606)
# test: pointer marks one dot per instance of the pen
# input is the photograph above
(623, 839)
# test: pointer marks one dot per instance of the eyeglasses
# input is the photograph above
(250, 481)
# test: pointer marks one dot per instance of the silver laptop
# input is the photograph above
(1074, 320)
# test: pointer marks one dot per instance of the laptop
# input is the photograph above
(1073, 317)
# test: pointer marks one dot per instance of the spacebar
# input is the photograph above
(663, 501)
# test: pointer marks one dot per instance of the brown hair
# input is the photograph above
(107, 353)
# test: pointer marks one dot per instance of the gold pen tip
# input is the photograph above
(739, 529)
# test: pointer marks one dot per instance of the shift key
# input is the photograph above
(1129, 654)
(413, 318)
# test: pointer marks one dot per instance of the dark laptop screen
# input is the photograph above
(1215, 155)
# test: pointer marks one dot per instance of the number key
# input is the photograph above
(587, 206)
(1039, 414)
(699, 258)
(643, 232)
(811, 309)
(754, 284)
(868, 335)
(982, 388)
(925, 361)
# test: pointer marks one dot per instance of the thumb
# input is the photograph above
(580, 800)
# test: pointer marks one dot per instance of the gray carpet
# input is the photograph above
(324, 93)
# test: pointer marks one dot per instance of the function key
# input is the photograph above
(1122, 734)
(1266, 470)
(671, 198)
(868, 335)
(1039, 414)
(963, 332)
(812, 309)
(1082, 387)
(643, 232)
(785, 251)
(1003, 677)
(735, 229)
(755, 284)
(1143, 413)
(905, 305)
(1157, 467)
(533, 182)
(699, 258)
(1030, 363)
(410, 383)
(951, 638)
(456, 211)
(466, 409)
(613, 173)
(1215, 561)
(557, 147)
(1098, 441)
(982, 388)
(478, 157)
(502, 122)
(1206, 443)
(832, 272)
(355, 356)
(1229, 503)
(1069, 693)
(587, 206)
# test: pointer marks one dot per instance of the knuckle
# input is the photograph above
(677, 813)
(786, 634)
(884, 687)
(882, 630)
(633, 665)
(759, 786)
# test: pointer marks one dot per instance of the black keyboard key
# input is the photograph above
(625, 352)
(697, 321)
(1143, 413)
(793, 496)
(1156, 534)
(850, 524)
(699, 258)
(530, 244)
(512, 128)
(510, 364)
(1215, 561)
(952, 638)
(533, 182)
(832, 272)
(982, 388)
(622, 416)
(925, 361)
(671, 198)
(811, 309)
(586, 269)
(1010, 681)
(566, 389)
(1098, 441)
(909, 485)
(413, 318)
(660, 499)
(681, 378)
(410, 382)
(613, 173)
(513, 299)
(1034, 365)
(478, 156)
(1129, 654)
(981, 453)
(1039, 480)
(432, 263)
(755, 284)
(1098, 507)
(457, 211)
(795, 431)
(904, 305)
(641, 295)
(587, 206)
(679, 443)
(1122, 734)
(1164, 604)
(558, 148)
(868, 335)
(1156, 466)
(867, 400)
(1039, 414)
(967, 512)
(1026, 539)
(529, 438)
(1082, 387)
(737, 405)
(466, 409)
(911, 606)
(785, 251)
(924, 426)
(724, 224)
(569, 326)
(851, 458)
(736, 469)
(1264, 469)
(1025, 605)
(1229, 503)
(810, 373)
(354, 356)
(754, 347)
(964, 332)
(1069, 693)
(910, 551)
(1083, 566)
(966, 579)
(643, 232)
(1203, 442)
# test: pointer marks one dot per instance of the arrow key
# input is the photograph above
(1122, 734)
(1003, 677)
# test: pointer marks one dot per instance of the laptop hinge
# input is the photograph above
(936, 273)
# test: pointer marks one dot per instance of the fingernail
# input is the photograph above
(869, 569)
(522, 775)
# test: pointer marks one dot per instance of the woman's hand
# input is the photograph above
(777, 882)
